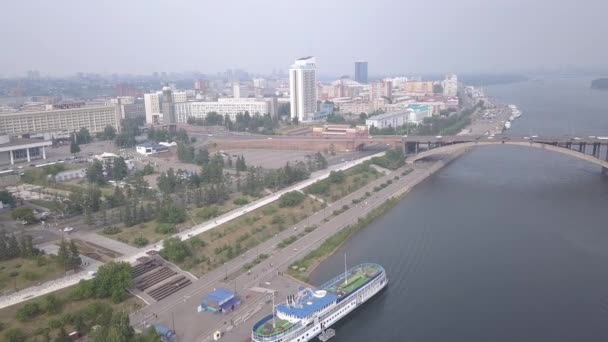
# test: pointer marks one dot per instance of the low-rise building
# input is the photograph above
(69, 175)
(340, 130)
(14, 150)
(418, 112)
(393, 119)
(150, 148)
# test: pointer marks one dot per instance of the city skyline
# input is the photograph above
(463, 37)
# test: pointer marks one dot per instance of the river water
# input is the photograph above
(505, 244)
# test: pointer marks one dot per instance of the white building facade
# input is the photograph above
(303, 89)
(224, 106)
(56, 122)
(153, 104)
(394, 119)
(450, 85)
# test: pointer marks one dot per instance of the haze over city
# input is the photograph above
(140, 37)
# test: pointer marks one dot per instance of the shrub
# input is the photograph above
(278, 219)
(318, 188)
(140, 241)
(29, 311)
(175, 249)
(52, 304)
(111, 230)
(269, 210)
(336, 177)
(15, 335)
(291, 199)
(208, 212)
(165, 228)
(240, 201)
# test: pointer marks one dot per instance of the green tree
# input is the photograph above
(109, 132)
(174, 249)
(119, 169)
(291, 199)
(23, 214)
(83, 136)
(62, 336)
(63, 255)
(7, 198)
(15, 335)
(74, 148)
(95, 173)
(112, 280)
(75, 259)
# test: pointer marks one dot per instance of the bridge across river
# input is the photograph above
(592, 149)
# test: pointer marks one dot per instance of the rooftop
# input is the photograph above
(311, 302)
(388, 115)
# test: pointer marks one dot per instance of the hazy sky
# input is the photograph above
(395, 36)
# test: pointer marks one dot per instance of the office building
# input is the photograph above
(225, 106)
(361, 72)
(153, 104)
(303, 89)
(419, 87)
(59, 123)
(129, 107)
(167, 106)
(380, 89)
(450, 85)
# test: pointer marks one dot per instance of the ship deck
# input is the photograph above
(279, 326)
(355, 277)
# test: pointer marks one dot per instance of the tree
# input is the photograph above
(7, 198)
(112, 280)
(83, 136)
(295, 120)
(437, 88)
(291, 199)
(74, 148)
(119, 169)
(95, 173)
(109, 132)
(25, 214)
(64, 255)
(174, 249)
(15, 335)
(62, 336)
(75, 259)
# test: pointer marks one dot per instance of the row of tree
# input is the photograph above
(11, 247)
(68, 255)
(242, 122)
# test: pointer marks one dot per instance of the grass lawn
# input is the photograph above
(9, 320)
(51, 205)
(232, 238)
(23, 273)
(129, 234)
(355, 178)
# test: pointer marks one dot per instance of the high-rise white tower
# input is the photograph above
(303, 89)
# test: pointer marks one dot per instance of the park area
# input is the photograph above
(223, 243)
(342, 183)
(20, 273)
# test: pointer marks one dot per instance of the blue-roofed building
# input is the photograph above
(419, 112)
(311, 301)
(220, 300)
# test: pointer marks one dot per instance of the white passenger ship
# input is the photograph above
(311, 311)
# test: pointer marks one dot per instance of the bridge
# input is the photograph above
(591, 149)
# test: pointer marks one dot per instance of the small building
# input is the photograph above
(340, 131)
(393, 119)
(69, 175)
(220, 300)
(150, 148)
(15, 150)
(419, 112)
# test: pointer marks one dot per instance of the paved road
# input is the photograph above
(111, 244)
(181, 306)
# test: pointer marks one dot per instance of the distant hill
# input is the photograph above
(600, 83)
(491, 79)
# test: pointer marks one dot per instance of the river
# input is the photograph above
(505, 244)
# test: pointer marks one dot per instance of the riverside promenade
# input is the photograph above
(180, 309)
(66, 281)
